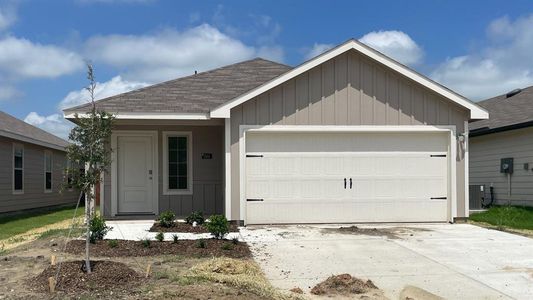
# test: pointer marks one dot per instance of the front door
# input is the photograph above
(135, 174)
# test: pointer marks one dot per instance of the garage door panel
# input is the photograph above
(308, 187)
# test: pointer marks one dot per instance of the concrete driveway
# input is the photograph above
(459, 261)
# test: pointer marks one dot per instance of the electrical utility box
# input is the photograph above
(506, 165)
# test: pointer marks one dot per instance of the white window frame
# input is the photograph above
(188, 135)
(15, 146)
(48, 153)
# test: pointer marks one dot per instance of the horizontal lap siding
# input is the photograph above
(347, 90)
(485, 154)
(208, 188)
(34, 195)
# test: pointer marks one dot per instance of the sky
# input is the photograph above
(479, 48)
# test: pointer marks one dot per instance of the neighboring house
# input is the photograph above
(348, 136)
(506, 138)
(31, 167)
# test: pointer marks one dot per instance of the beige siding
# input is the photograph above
(34, 195)
(208, 178)
(347, 90)
(485, 154)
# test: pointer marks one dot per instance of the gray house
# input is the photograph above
(501, 149)
(348, 136)
(31, 167)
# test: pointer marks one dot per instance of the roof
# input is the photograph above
(476, 112)
(195, 94)
(505, 113)
(14, 128)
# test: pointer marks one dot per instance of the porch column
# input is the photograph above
(227, 173)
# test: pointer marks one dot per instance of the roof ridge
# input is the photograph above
(176, 79)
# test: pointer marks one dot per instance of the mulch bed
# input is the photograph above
(105, 276)
(343, 284)
(182, 247)
(184, 227)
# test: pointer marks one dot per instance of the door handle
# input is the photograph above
(344, 183)
(350, 183)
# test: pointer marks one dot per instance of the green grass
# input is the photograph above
(516, 217)
(20, 223)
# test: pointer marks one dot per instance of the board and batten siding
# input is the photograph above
(208, 174)
(347, 90)
(34, 195)
(485, 154)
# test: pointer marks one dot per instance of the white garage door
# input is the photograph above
(346, 177)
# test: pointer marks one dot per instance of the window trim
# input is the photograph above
(188, 135)
(48, 152)
(15, 146)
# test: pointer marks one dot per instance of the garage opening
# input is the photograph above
(343, 177)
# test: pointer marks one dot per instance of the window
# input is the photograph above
(70, 177)
(47, 171)
(18, 168)
(177, 167)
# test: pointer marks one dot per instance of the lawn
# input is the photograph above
(21, 223)
(515, 217)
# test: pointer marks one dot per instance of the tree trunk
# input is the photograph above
(88, 234)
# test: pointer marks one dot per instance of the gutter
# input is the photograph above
(485, 130)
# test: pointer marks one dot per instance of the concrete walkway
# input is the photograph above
(139, 229)
(458, 261)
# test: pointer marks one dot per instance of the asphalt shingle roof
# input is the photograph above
(12, 125)
(197, 93)
(505, 111)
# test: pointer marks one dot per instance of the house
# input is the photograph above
(348, 136)
(501, 149)
(31, 167)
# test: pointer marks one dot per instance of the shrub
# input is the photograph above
(146, 243)
(201, 243)
(218, 226)
(160, 236)
(98, 229)
(195, 216)
(112, 243)
(166, 218)
(227, 246)
(175, 238)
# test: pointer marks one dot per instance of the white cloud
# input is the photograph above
(169, 53)
(318, 49)
(21, 58)
(8, 92)
(7, 16)
(395, 44)
(103, 90)
(54, 123)
(505, 64)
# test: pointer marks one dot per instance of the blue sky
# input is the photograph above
(478, 48)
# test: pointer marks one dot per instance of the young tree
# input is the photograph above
(90, 149)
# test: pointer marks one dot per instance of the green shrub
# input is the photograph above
(227, 246)
(201, 243)
(195, 216)
(166, 218)
(146, 243)
(175, 238)
(218, 226)
(98, 229)
(112, 243)
(160, 236)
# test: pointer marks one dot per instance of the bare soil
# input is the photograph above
(391, 233)
(182, 248)
(23, 269)
(188, 228)
(105, 276)
(344, 285)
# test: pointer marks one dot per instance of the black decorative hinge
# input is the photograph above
(439, 198)
(254, 200)
(438, 155)
(254, 155)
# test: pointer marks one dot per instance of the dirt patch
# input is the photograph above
(124, 248)
(391, 233)
(297, 290)
(344, 285)
(106, 276)
(184, 227)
